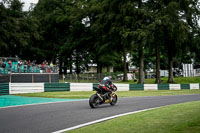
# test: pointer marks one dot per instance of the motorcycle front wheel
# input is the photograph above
(94, 101)
(114, 100)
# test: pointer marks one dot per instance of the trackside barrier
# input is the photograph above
(163, 86)
(136, 87)
(133, 87)
(150, 87)
(81, 86)
(194, 86)
(174, 86)
(51, 87)
(185, 86)
(16, 88)
(4, 88)
(122, 87)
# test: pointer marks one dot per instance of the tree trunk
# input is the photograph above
(65, 67)
(158, 64)
(98, 71)
(141, 65)
(108, 69)
(101, 67)
(170, 66)
(60, 66)
(141, 57)
(77, 66)
(124, 65)
(70, 67)
(65, 70)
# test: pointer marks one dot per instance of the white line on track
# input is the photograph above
(104, 119)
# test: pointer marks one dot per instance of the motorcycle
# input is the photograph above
(101, 98)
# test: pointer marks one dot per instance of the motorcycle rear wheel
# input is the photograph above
(94, 101)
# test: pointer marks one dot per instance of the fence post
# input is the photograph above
(63, 78)
(10, 77)
(32, 78)
(10, 87)
(49, 78)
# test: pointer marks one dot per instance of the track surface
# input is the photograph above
(45, 118)
(11, 100)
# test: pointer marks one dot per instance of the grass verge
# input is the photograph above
(177, 80)
(87, 94)
(181, 118)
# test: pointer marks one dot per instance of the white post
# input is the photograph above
(10, 87)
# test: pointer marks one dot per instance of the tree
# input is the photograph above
(172, 21)
(115, 24)
(52, 28)
(16, 34)
(176, 28)
(142, 28)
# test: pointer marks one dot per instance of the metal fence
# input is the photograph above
(14, 65)
(89, 77)
(29, 69)
(176, 73)
(29, 78)
(94, 77)
(191, 73)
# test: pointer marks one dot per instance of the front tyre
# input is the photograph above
(114, 100)
(94, 101)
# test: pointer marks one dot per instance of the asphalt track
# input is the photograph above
(12, 100)
(45, 118)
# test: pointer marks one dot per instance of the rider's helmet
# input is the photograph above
(107, 78)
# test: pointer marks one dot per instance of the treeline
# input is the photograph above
(164, 33)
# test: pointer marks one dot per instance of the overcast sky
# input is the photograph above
(27, 4)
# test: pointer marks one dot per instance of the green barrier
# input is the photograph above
(134, 87)
(51, 87)
(4, 88)
(163, 86)
(185, 86)
(95, 85)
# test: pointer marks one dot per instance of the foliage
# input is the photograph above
(16, 32)
(102, 32)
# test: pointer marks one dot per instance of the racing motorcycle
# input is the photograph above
(101, 98)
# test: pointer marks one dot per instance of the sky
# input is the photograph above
(27, 3)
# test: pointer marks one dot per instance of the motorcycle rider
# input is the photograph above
(107, 86)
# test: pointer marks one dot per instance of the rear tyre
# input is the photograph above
(114, 100)
(94, 101)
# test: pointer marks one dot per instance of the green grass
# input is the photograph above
(178, 80)
(179, 118)
(62, 94)
(87, 94)
(80, 81)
